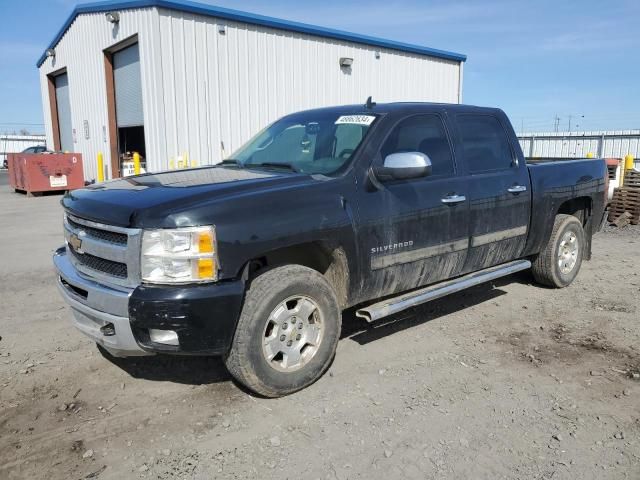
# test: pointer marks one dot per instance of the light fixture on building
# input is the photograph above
(377, 54)
(222, 29)
(346, 62)
(112, 17)
(50, 52)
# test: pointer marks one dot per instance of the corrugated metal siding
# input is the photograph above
(220, 89)
(609, 144)
(81, 52)
(203, 90)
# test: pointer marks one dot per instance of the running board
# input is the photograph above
(397, 304)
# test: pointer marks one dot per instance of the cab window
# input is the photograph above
(485, 146)
(425, 134)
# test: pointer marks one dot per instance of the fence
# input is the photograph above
(10, 143)
(607, 144)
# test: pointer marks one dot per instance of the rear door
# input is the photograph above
(414, 231)
(498, 190)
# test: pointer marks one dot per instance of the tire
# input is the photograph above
(276, 304)
(548, 268)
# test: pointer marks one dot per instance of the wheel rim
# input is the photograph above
(568, 252)
(292, 334)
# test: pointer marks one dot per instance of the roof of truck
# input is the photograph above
(402, 107)
(251, 18)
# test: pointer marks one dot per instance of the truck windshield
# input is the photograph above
(307, 142)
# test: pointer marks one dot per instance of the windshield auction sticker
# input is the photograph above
(356, 119)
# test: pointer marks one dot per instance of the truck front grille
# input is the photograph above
(104, 235)
(98, 264)
(107, 253)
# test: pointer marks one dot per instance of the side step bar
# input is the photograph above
(397, 304)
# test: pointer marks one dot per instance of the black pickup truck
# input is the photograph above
(377, 207)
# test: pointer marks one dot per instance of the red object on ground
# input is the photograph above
(43, 172)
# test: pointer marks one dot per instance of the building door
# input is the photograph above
(63, 105)
(128, 102)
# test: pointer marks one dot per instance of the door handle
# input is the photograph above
(517, 189)
(449, 199)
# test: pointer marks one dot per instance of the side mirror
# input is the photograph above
(404, 166)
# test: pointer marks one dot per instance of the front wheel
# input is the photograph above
(287, 332)
(558, 264)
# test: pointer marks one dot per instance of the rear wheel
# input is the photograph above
(287, 332)
(558, 264)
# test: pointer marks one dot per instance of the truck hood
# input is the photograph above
(139, 201)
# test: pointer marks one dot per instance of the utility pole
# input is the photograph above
(570, 122)
(556, 123)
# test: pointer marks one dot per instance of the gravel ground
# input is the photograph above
(628, 230)
(506, 380)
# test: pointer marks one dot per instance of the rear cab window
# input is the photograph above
(484, 142)
(424, 133)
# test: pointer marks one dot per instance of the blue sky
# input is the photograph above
(534, 59)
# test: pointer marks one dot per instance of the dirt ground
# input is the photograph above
(507, 380)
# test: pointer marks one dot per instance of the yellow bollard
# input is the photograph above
(628, 162)
(589, 155)
(186, 160)
(171, 165)
(136, 163)
(100, 176)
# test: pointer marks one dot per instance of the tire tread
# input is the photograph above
(544, 265)
(260, 290)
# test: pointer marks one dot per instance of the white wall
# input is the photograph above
(202, 89)
(221, 89)
(81, 51)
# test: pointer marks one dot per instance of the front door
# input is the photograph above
(498, 191)
(414, 231)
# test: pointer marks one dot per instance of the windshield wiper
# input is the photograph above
(288, 166)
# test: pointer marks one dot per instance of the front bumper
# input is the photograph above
(95, 306)
(203, 316)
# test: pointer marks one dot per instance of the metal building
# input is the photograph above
(183, 82)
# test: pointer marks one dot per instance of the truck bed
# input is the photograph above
(553, 183)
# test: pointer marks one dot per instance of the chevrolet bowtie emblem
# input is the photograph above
(75, 242)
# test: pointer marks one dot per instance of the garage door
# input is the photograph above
(64, 112)
(128, 88)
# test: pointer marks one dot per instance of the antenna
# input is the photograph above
(370, 103)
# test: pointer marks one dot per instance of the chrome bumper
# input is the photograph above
(95, 306)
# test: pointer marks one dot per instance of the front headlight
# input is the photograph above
(180, 255)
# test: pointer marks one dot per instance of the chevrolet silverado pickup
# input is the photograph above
(372, 207)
